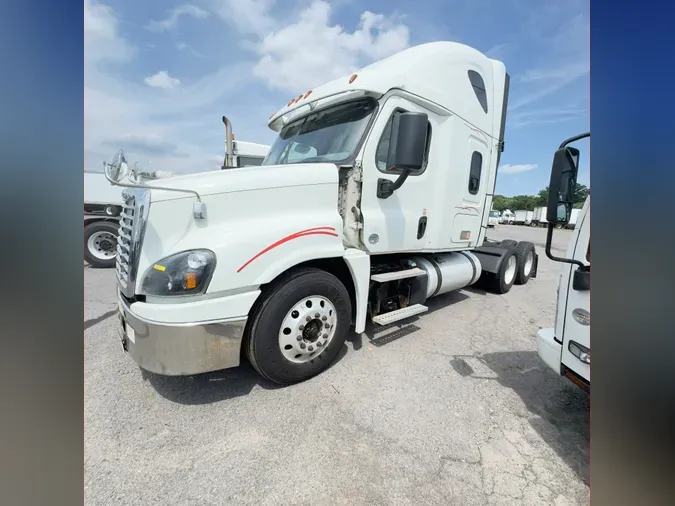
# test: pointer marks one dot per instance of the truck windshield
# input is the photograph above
(494, 214)
(328, 135)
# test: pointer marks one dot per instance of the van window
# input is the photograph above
(384, 156)
(474, 172)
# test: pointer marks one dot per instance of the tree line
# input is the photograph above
(529, 202)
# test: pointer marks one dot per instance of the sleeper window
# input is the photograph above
(474, 172)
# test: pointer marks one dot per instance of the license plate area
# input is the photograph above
(126, 330)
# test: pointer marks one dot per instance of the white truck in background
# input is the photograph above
(539, 217)
(103, 201)
(374, 197)
(507, 217)
(574, 218)
(566, 348)
(523, 217)
(493, 219)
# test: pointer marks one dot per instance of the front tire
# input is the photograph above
(299, 326)
(100, 244)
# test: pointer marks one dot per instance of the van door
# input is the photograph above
(397, 223)
(576, 324)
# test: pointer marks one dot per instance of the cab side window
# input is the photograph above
(386, 148)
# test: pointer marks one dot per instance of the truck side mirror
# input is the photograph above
(409, 133)
(562, 185)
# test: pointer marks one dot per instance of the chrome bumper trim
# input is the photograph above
(181, 350)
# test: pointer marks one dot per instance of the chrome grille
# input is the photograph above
(130, 233)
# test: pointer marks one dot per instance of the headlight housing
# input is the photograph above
(184, 273)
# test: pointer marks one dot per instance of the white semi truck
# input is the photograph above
(103, 201)
(566, 348)
(374, 197)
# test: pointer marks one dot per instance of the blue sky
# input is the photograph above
(160, 74)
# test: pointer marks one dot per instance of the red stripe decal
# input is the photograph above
(302, 233)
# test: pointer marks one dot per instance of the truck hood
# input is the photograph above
(244, 179)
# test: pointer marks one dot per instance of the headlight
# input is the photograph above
(185, 273)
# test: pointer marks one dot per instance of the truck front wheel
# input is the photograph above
(299, 326)
(100, 244)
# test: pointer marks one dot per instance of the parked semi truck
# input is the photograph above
(374, 197)
(566, 348)
(103, 201)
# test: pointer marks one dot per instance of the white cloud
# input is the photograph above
(171, 20)
(180, 131)
(312, 50)
(102, 41)
(566, 50)
(516, 169)
(151, 144)
(182, 46)
(519, 119)
(163, 80)
(496, 52)
(247, 16)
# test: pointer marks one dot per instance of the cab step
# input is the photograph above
(400, 314)
(393, 276)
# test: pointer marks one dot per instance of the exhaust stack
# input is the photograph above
(229, 145)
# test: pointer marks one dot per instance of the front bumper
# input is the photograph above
(180, 349)
(550, 351)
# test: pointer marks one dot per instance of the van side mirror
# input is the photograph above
(409, 138)
(562, 185)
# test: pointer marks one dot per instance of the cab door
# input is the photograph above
(576, 324)
(396, 223)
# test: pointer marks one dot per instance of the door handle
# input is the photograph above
(421, 227)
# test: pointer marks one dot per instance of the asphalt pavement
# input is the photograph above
(451, 408)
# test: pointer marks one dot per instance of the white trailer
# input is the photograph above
(523, 217)
(103, 201)
(574, 218)
(374, 197)
(566, 348)
(539, 217)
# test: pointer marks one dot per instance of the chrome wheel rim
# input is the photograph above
(307, 329)
(529, 260)
(510, 270)
(102, 245)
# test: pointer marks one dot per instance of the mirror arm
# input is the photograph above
(386, 188)
(146, 187)
(549, 239)
(575, 138)
(400, 180)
